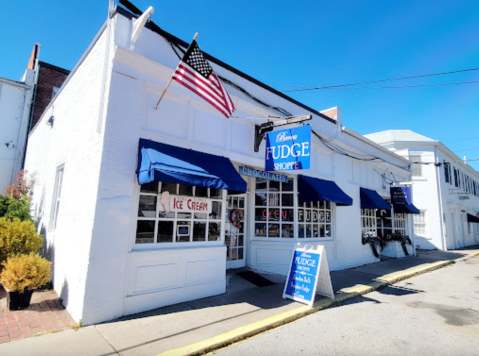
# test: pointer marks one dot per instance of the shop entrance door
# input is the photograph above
(235, 231)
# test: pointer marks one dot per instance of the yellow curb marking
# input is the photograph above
(255, 328)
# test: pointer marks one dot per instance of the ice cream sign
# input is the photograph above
(169, 203)
(289, 149)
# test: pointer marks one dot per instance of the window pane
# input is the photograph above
(260, 199)
(274, 214)
(308, 230)
(145, 232)
(199, 231)
(216, 210)
(260, 214)
(287, 230)
(328, 230)
(201, 192)
(315, 230)
(168, 187)
(287, 200)
(165, 215)
(301, 230)
(165, 231)
(328, 216)
(288, 187)
(273, 199)
(147, 206)
(240, 254)
(183, 231)
(214, 231)
(322, 204)
(327, 205)
(215, 193)
(241, 203)
(287, 215)
(273, 230)
(307, 215)
(274, 186)
(200, 216)
(151, 187)
(234, 254)
(186, 190)
(261, 185)
(321, 231)
(260, 229)
(317, 216)
(301, 215)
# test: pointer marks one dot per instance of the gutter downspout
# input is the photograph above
(439, 196)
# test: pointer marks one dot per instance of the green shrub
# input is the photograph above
(18, 237)
(25, 272)
(11, 208)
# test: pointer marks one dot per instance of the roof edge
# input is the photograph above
(155, 28)
(53, 67)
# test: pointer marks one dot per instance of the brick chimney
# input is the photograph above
(333, 113)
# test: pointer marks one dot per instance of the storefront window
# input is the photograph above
(159, 223)
(384, 223)
(368, 223)
(315, 220)
(274, 208)
(400, 223)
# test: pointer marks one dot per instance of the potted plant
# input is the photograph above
(21, 275)
(17, 238)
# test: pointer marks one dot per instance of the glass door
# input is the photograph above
(234, 231)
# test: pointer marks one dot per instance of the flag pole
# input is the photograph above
(169, 82)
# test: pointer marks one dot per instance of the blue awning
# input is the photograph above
(406, 209)
(472, 218)
(314, 189)
(165, 163)
(370, 199)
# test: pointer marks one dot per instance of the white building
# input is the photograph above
(15, 101)
(115, 249)
(446, 190)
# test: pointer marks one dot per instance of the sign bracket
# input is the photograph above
(261, 130)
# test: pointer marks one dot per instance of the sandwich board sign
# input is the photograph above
(308, 275)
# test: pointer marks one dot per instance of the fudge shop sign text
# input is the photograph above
(308, 275)
(289, 149)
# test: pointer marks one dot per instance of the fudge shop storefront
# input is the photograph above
(200, 214)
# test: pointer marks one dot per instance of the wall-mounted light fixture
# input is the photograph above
(50, 121)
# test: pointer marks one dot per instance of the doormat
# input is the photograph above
(255, 278)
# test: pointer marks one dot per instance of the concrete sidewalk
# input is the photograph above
(245, 310)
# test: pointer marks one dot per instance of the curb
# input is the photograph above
(275, 321)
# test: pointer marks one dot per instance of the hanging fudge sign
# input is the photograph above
(400, 195)
(170, 203)
(289, 149)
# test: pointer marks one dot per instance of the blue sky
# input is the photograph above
(306, 43)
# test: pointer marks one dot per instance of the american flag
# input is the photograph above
(195, 73)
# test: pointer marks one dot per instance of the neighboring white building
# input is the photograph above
(446, 190)
(115, 249)
(15, 101)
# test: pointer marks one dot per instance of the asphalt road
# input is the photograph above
(433, 314)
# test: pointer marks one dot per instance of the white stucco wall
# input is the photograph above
(72, 141)
(15, 100)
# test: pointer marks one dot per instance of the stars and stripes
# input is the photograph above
(195, 73)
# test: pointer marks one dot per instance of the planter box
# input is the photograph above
(17, 300)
